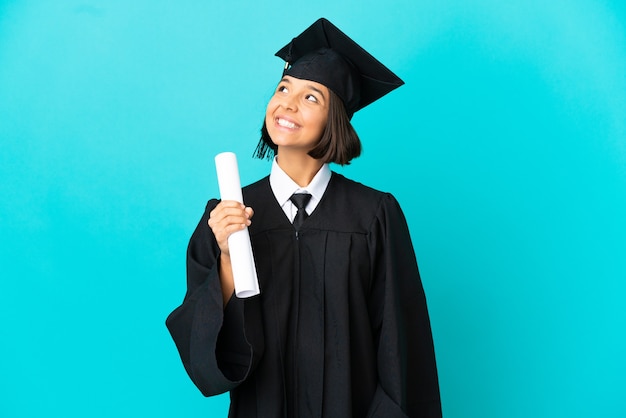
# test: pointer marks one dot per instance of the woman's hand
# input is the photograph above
(228, 217)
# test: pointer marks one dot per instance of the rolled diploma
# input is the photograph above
(241, 257)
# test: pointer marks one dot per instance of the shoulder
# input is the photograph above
(367, 198)
(257, 190)
(249, 192)
(352, 186)
(364, 206)
(259, 184)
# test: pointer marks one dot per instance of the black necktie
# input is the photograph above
(300, 200)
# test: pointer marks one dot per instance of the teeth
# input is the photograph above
(286, 123)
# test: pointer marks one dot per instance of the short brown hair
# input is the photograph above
(339, 143)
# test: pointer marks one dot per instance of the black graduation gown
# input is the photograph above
(340, 328)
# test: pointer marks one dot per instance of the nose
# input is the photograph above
(289, 103)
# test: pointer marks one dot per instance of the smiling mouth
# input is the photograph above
(285, 123)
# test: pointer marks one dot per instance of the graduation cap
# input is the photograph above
(326, 55)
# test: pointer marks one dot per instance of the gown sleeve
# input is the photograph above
(217, 347)
(407, 373)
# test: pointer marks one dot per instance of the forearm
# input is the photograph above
(226, 278)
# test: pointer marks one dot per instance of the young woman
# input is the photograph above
(341, 327)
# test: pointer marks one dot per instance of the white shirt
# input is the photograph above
(283, 187)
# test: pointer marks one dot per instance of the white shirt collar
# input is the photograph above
(283, 187)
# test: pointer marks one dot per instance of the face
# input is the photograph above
(297, 114)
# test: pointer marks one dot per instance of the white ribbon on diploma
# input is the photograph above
(241, 257)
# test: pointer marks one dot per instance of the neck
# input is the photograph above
(300, 168)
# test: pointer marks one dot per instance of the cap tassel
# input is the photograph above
(288, 58)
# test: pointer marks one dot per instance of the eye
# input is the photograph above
(282, 89)
(311, 98)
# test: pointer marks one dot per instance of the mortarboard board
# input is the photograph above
(326, 55)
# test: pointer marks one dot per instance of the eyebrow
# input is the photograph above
(311, 86)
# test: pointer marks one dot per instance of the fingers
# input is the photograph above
(228, 217)
(229, 212)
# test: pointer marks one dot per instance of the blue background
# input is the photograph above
(506, 149)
